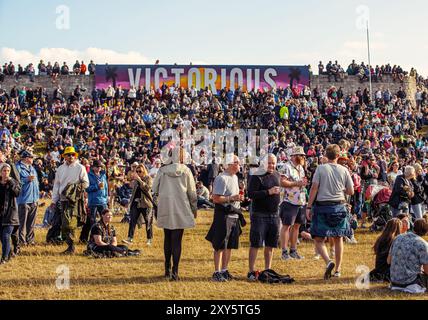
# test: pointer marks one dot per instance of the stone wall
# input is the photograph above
(350, 84)
(67, 83)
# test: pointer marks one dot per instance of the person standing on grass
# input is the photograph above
(175, 190)
(264, 191)
(71, 172)
(330, 185)
(141, 203)
(225, 229)
(9, 191)
(97, 197)
(293, 208)
(28, 198)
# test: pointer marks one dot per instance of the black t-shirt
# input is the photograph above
(258, 187)
(107, 233)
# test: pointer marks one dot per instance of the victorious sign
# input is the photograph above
(200, 77)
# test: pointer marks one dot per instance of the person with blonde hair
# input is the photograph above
(141, 203)
(177, 202)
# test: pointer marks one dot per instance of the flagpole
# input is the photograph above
(370, 65)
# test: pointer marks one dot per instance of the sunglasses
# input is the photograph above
(69, 155)
(139, 171)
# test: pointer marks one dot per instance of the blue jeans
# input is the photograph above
(6, 233)
(203, 201)
(358, 204)
(417, 210)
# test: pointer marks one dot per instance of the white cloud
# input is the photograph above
(99, 56)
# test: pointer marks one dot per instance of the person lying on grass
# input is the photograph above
(103, 241)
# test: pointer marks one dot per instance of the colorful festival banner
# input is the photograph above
(214, 77)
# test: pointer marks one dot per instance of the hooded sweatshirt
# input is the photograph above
(175, 189)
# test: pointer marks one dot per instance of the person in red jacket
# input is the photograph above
(83, 68)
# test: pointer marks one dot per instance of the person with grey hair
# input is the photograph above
(9, 191)
(402, 192)
(264, 192)
(225, 229)
(28, 198)
(419, 184)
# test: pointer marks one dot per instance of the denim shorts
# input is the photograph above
(264, 231)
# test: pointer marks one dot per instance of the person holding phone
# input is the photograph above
(264, 191)
(293, 208)
(225, 229)
(97, 197)
(27, 199)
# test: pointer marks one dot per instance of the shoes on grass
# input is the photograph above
(218, 277)
(328, 270)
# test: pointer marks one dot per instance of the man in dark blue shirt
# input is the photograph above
(264, 191)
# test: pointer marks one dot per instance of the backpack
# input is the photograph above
(270, 276)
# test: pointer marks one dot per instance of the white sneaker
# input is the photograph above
(317, 257)
(351, 240)
(127, 241)
(149, 242)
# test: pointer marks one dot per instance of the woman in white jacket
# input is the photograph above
(175, 190)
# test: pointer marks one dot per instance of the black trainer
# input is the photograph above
(328, 270)
(218, 277)
(253, 276)
(227, 275)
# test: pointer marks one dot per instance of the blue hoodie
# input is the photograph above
(29, 189)
(96, 196)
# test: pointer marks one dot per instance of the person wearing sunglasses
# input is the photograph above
(70, 172)
(141, 204)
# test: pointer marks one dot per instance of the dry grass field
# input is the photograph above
(33, 274)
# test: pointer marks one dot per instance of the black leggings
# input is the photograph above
(172, 247)
(148, 220)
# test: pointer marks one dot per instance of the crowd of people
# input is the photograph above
(97, 151)
(46, 69)
(365, 71)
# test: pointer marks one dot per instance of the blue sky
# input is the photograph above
(216, 32)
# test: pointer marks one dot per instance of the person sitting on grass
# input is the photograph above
(103, 241)
(408, 256)
(203, 196)
(381, 272)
